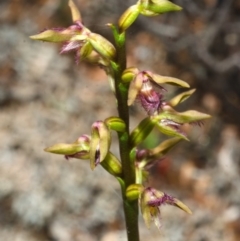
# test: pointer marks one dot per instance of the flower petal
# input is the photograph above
(76, 15)
(52, 36)
(159, 79)
(181, 97)
(134, 88)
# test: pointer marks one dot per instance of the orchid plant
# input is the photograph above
(129, 85)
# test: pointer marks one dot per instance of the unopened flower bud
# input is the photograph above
(116, 124)
(128, 18)
(102, 46)
(155, 7)
(129, 74)
(139, 134)
(112, 165)
(134, 191)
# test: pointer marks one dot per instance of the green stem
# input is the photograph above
(130, 208)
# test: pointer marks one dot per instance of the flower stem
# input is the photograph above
(130, 208)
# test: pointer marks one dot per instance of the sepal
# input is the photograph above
(134, 88)
(163, 148)
(64, 148)
(159, 79)
(182, 206)
(79, 149)
(51, 35)
(100, 143)
(181, 97)
(76, 15)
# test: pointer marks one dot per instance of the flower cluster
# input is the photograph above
(129, 85)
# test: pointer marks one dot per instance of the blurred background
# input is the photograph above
(46, 98)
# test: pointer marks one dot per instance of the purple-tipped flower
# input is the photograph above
(151, 200)
(75, 42)
(146, 87)
(87, 45)
(73, 37)
(78, 149)
(151, 99)
(84, 141)
(169, 121)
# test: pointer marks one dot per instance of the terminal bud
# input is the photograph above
(128, 17)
